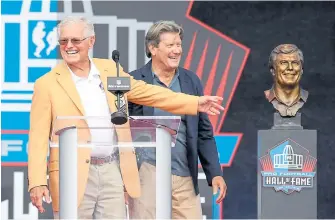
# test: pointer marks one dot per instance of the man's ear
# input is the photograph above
(91, 42)
(152, 49)
(272, 71)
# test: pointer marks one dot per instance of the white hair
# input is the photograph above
(89, 27)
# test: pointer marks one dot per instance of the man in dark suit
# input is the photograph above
(195, 136)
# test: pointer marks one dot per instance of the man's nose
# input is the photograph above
(177, 50)
(290, 67)
(69, 44)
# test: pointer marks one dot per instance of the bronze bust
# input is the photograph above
(286, 66)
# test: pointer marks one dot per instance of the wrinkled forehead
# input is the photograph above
(288, 57)
(170, 37)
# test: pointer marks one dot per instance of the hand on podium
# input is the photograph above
(209, 105)
(36, 195)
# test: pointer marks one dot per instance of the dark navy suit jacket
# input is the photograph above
(200, 140)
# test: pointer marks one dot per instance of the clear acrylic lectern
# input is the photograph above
(78, 138)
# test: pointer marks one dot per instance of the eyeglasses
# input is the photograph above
(74, 41)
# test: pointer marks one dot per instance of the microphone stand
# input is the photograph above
(119, 117)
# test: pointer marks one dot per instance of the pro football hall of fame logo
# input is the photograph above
(288, 167)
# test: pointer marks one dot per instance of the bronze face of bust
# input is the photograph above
(286, 66)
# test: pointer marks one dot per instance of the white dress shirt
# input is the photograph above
(94, 101)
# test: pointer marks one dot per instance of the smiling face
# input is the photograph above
(74, 43)
(287, 69)
(168, 52)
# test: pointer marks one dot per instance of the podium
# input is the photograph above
(77, 137)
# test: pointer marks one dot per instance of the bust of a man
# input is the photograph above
(286, 66)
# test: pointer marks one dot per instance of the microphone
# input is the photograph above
(116, 56)
(118, 86)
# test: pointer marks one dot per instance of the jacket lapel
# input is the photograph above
(187, 88)
(147, 77)
(65, 80)
(185, 85)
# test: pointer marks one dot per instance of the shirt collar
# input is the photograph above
(155, 76)
(93, 72)
(303, 95)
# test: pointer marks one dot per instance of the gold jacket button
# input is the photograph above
(87, 161)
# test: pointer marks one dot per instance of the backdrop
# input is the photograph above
(226, 43)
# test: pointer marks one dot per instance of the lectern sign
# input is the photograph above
(288, 167)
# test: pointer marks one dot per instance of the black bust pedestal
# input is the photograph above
(288, 123)
(287, 181)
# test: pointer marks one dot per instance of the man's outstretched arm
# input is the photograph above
(142, 93)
